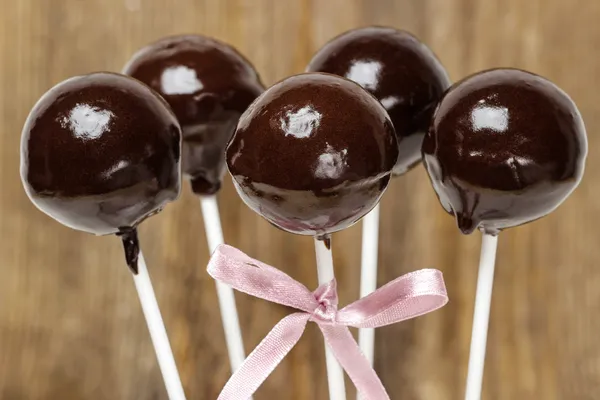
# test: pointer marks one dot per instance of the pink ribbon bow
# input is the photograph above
(406, 297)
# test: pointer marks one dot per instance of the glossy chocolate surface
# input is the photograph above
(505, 147)
(208, 85)
(100, 153)
(399, 70)
(313, 154)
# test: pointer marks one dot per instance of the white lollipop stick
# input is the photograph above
(368, 276)
(158, 333)
(481, 317)
(335, 373)
(229, 314)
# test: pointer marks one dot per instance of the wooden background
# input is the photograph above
(71, 326)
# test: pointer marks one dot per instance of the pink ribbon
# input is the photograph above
(406, 297)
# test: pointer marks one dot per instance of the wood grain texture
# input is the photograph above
(71, 326)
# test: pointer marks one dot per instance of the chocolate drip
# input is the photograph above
(326, 239)
(131, 246)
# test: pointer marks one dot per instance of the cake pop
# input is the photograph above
(408, 80)
(505, 147)
(100, 153)
(399, 70)
(208, 84)
(312, 155)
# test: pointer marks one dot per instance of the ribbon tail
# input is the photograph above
(265, 358)
(353, 361)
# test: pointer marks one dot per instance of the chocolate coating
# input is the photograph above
(313, 154)
(505, 147)
(100, 153)
(208, 85)
(399, 70)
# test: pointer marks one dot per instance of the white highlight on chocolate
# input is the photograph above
(301, 123)
(180, 80)
(481, 317)
(365, 73)
(331, 164)
(390, 101)
(158, 332)
(87, 122)
(115, 168)
(490, 117)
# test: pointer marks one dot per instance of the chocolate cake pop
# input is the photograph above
(100, 153)
(399, 70)
(313, 154)
(505, 147)
(208, 85)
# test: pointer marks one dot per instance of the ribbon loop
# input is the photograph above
(250, 276)
(406, 297)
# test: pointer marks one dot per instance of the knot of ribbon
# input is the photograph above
(406, 297)
(327, 308)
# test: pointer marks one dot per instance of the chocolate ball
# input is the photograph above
(399, 70)
(100, 153)
(208, 85)
(505, 147)
(313, 154)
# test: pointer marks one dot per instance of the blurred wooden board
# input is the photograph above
(71, 326)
